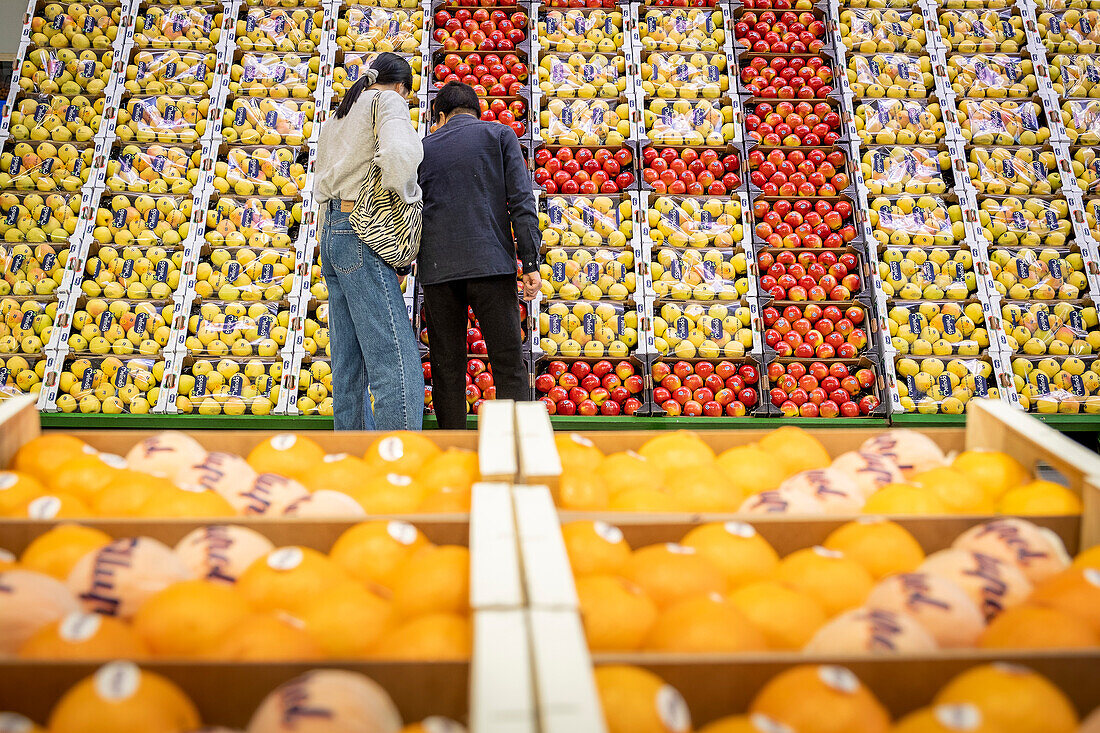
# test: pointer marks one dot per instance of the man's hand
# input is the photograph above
(532, 284)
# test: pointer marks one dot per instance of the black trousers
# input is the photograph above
(496, 307)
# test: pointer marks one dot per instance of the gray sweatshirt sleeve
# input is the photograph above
(399, 148)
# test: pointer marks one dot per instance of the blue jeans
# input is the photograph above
(371, 337)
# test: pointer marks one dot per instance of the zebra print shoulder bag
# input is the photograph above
(383, 222)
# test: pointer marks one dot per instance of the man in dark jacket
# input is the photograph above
(477, 195)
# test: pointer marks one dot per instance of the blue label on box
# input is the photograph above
(716, 328)
(121, 376)
(152, 218)
(271, 118)
(4, 375)
(59, 21)
(949, 324)
(353, 73)
(158, 163)
(980, 387)
(127, 268)
(911, 385)
(13, 215)
(1018, 220)
(141, 320)
(1055, 267)
(1043, 319)
(14, 166)
(557, 271)
(71, 113)
(281, 219)
(609, 26)
(232, 270)
(241, 115)
(40, 112)
(207, 22)
(16, 263)
(48, 260)
(945, 383)
(650, 21)
(1077, 384)
(119, 218)
(230, 322)
(1042, 384)
(1075, 321)
(199, 389)
(1051, 219)
(709, 270)
(263, 326)
(592, 271)
(555, 212)
(682, 327)
(161, 272)
(250, 23)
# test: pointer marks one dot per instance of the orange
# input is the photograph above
(736, 549)
(431, 637)
(644, 500)
(85, 475)
(1075, 591)
(836, 581)
(961, 718)
(788, 618)
(961, 493)
(582, 491)
(676, 453)
(41, 456)
(387, 493)
(894, 499)
(446, 500)
(795, 449)
(54, 506)
(577, 452)
(336, 472)
(752, 469)
(756, 723)
(16, 723)
(286, 454)
(346, 620)
(326, 701)
(186, 619)
(434, 724)
(265, 637)
(595, 548)
(7, 560)
(1089, 558)
(1014, 698)
(629, 471)
(402, 452)
(670, 572)
(637, 701)
(913, 452)
(128, 492)
(16, 489)
(453, 467)
(56, 552)
(434, 580)
(1036, 627)
(84, 636)
(371, 551)
(617, 614)
(883, 547)
(825, 699)
(287, 578)
(185, 504)
(704, 624)
(122, 698)
(862, 630)
(1040, 498)
(703, 488)
(994, 471)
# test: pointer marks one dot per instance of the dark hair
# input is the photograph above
(390, 68)
(455, 97)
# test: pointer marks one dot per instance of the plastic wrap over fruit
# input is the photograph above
(353, 65)
(27, 269)
(1082, 120)
(297, 30)
(246, 274)
(365, 28)
(315, 388)
(937, 327)
(171, 72)
(902, 121)
(922, 221)
(178, 27)
(34, 218)
(991, 75)
(253, 222)
(27, 324)
(592, 274)
(263, 171)
(315, 3)
(1002, 122)
(669, 75)
(1016, 171)
(1067, 385)
(894, 170)
(56, 117)
(45, 166)
(229, 386)
(574, 221)
(65, 71)
(692, 274)
(1038, 329)
(973, 30)
(109, 384)
(862, 4)
(163, 119)
(931, 385)
(1071, 31)
(237, 328)
(120, 327)
(1074, 75)
(892, 75)
(1092, 213)
(274, 75)
(565, 31)
(911, 273)
(587, 328)
(689, 122)
(20, 375)
(134, 272)
(702, 329)
(584, 122)
(681, 29)
(1030, 222)
(251, 121)
(143, 220)
(153, 168)
(882, 30)
(585, 76)
(1038, 274)
(695, 222)
(60, 25)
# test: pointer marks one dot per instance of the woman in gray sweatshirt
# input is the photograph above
(372, 340)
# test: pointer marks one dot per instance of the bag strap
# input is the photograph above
(374, 125)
